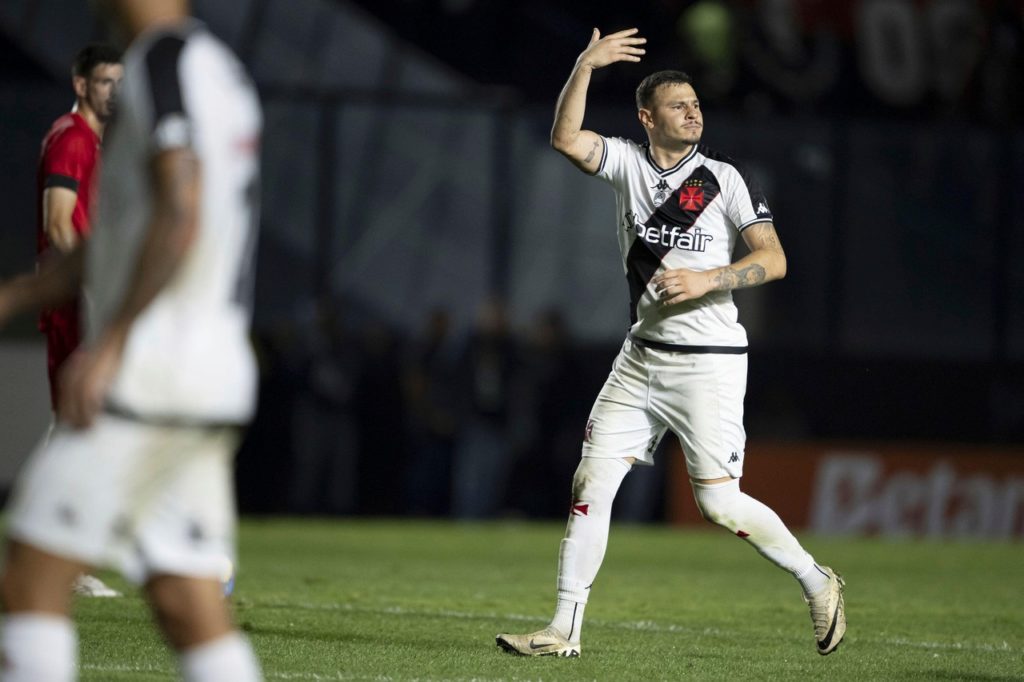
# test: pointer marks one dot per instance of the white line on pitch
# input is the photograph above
(645, 625)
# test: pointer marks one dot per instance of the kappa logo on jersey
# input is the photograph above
(691, 195)
(661, 192)
(762, 209)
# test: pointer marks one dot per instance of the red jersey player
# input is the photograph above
(68, 166)
(68, 169)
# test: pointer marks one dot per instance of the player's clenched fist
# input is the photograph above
(614, 47)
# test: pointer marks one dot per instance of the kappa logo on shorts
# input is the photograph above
(121, 527)
(195, 532)
(734, 458)
(67, 515)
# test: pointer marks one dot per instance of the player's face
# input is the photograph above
(675, 118)
(101, 89)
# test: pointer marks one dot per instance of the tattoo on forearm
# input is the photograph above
(731, 278)
(593, 151)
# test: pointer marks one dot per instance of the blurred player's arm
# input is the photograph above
(173, 226)
(56, 281)
(765, 262)
(584, 147)
(58, 207)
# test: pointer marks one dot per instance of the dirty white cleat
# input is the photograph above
(90, 586)
(828, 613)
(544, 642)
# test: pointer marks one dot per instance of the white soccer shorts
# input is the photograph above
(144, 499)
(698, 396)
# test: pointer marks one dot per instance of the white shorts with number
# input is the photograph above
(144, 499)
(698, 396)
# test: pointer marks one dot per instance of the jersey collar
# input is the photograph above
(662, 171)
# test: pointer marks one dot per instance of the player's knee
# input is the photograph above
(716, 501)
(189, 611)
(34, 581)
(711, 512)
(10, 589)
(597, 479)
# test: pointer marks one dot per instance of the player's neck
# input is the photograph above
(90, 118)
(667, 157)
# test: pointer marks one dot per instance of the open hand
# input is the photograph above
(614, 47)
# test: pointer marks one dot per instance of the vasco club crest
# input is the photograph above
(691, 195)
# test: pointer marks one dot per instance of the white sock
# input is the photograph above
(582, 550)
(725, 505)
(227, 658)
(38, 647)
(568, 618)
(813, 580)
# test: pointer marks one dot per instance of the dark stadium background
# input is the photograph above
(435, 281)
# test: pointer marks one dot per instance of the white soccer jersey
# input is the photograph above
(687, 216)
(188, 355)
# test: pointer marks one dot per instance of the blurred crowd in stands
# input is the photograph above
(958, 59)
(354, 419)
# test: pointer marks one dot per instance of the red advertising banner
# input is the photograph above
(911, 490)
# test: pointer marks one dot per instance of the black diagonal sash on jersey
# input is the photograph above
(681, 209)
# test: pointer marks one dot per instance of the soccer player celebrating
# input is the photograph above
(137, 474)
(680, 209)
(68, 166)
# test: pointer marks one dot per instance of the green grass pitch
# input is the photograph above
(401, 600)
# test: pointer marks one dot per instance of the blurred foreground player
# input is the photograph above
(683, 366)
(65, 181)
(137, 474)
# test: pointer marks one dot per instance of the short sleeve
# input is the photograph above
(171, 127)
(746, 201)
(612, 159)
(69, 160)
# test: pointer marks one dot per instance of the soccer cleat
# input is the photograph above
(544, 642)
(828, 612)
(90, 586)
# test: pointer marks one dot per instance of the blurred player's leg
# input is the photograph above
(38, 639)
(194, 617)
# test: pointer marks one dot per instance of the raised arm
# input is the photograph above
(584, 147)
(765, 262)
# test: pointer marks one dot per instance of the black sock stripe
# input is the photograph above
(572, 628)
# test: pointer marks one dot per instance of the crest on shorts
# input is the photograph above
(589, 432)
